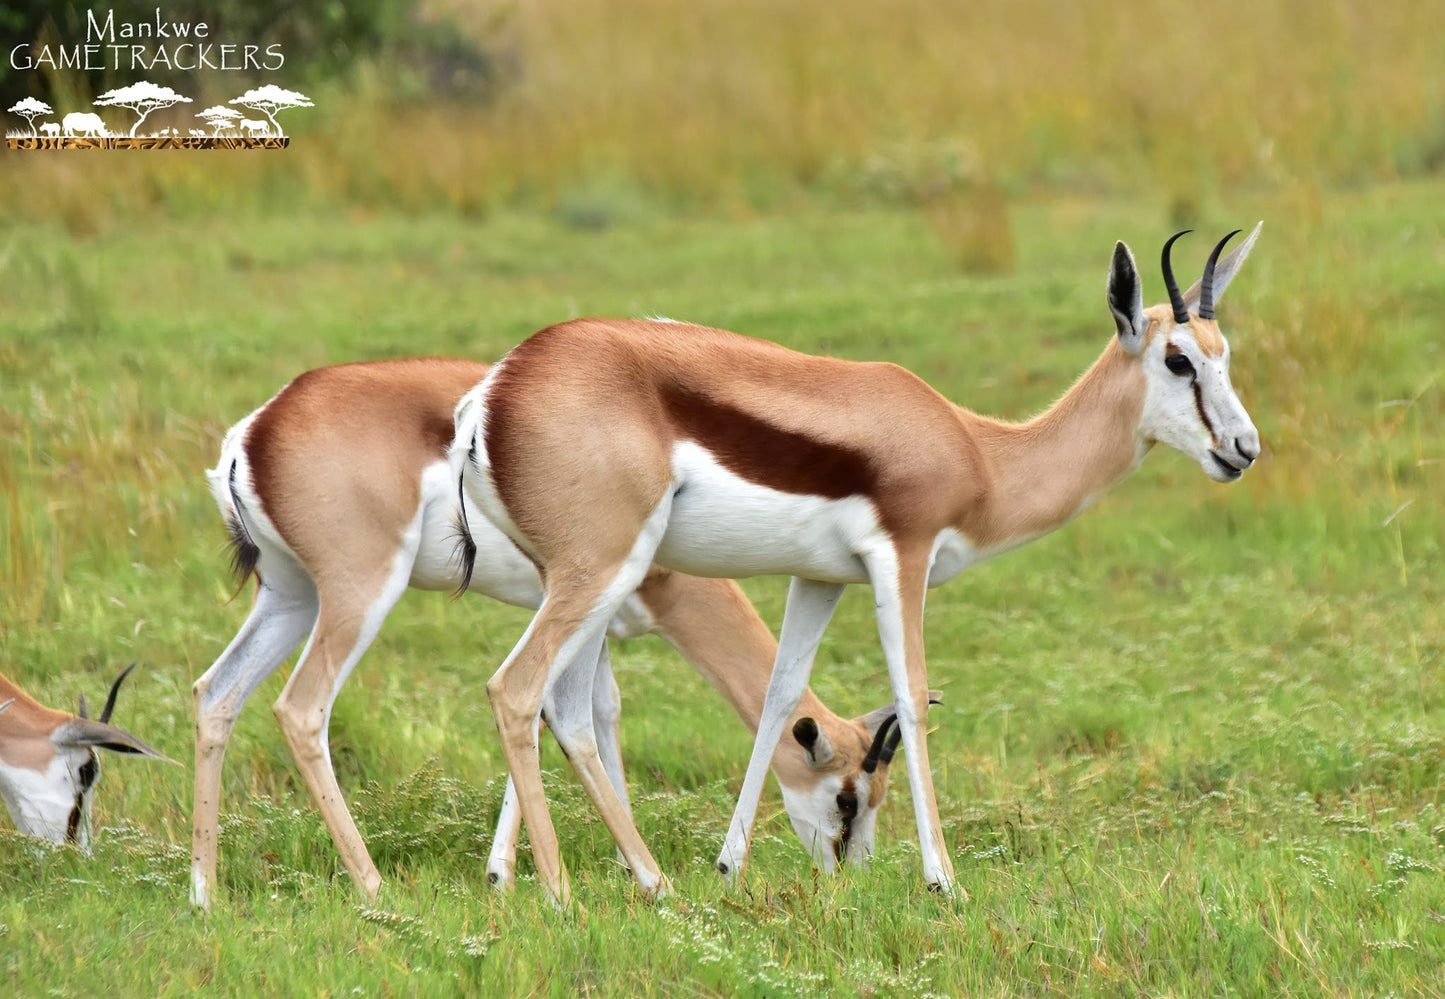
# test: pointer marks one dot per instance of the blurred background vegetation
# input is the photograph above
(1190, 745)
(603, 107)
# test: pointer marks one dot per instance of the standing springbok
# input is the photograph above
(601, 447)
(48, 764)
(338, 495)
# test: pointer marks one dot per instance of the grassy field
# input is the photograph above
(1193, 744)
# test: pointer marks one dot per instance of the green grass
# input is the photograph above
(1191, 745)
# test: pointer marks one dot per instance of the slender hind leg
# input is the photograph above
(606, 724)
(572, 713)
(280, 618)
(606, 712)
(349, 619)
(809, 609)
(581, 599)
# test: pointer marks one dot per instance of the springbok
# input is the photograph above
(48, 764)
(601, 447)
(338, 495)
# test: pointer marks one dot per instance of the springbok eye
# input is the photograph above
(1179, 364)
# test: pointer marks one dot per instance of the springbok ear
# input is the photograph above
(878, 716)
(1225, 270)
(813, 740)
(1126, 299)
(103, 735)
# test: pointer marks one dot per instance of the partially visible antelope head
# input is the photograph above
(48, 763)
(834, 808)
(1189, 402)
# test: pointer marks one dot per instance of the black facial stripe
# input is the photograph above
(86, 775)
(1204, 418)
(848, 809)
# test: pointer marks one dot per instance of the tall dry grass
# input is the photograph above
(728, 103)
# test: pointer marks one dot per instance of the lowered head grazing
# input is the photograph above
(49, 766)
(1189, 401)
(834, 799)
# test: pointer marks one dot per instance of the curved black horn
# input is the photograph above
(875, 751)
(892, 747)
(1206, 284)
(114, 689)
(83, 712)
(1181, 311)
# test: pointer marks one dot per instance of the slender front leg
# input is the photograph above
(900, 581)
(810, 607)
(502, 861)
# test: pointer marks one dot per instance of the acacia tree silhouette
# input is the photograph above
(30, 109)
(270, 99)
(218, 117)
(142, 98)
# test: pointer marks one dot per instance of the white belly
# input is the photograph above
(723, 525)
(501, 571)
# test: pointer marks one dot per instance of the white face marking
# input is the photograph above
(816, 818)
(40, 801)
(724, 525)
(1224, 442)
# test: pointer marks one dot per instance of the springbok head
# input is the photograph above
(49, 766)
(1189, 402)
(834, 803)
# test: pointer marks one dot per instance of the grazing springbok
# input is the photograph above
(48, 763)
(604, 446)
(337, 493)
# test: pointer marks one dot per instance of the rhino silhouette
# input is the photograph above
(83, 123)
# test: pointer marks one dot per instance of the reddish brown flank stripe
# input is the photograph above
(745, 444)
(765, 454)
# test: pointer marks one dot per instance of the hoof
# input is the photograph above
(658, 891)
(722, 868)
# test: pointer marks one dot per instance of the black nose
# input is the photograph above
(1245, 451)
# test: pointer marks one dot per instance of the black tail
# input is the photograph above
(244, 552)
(465, 552)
